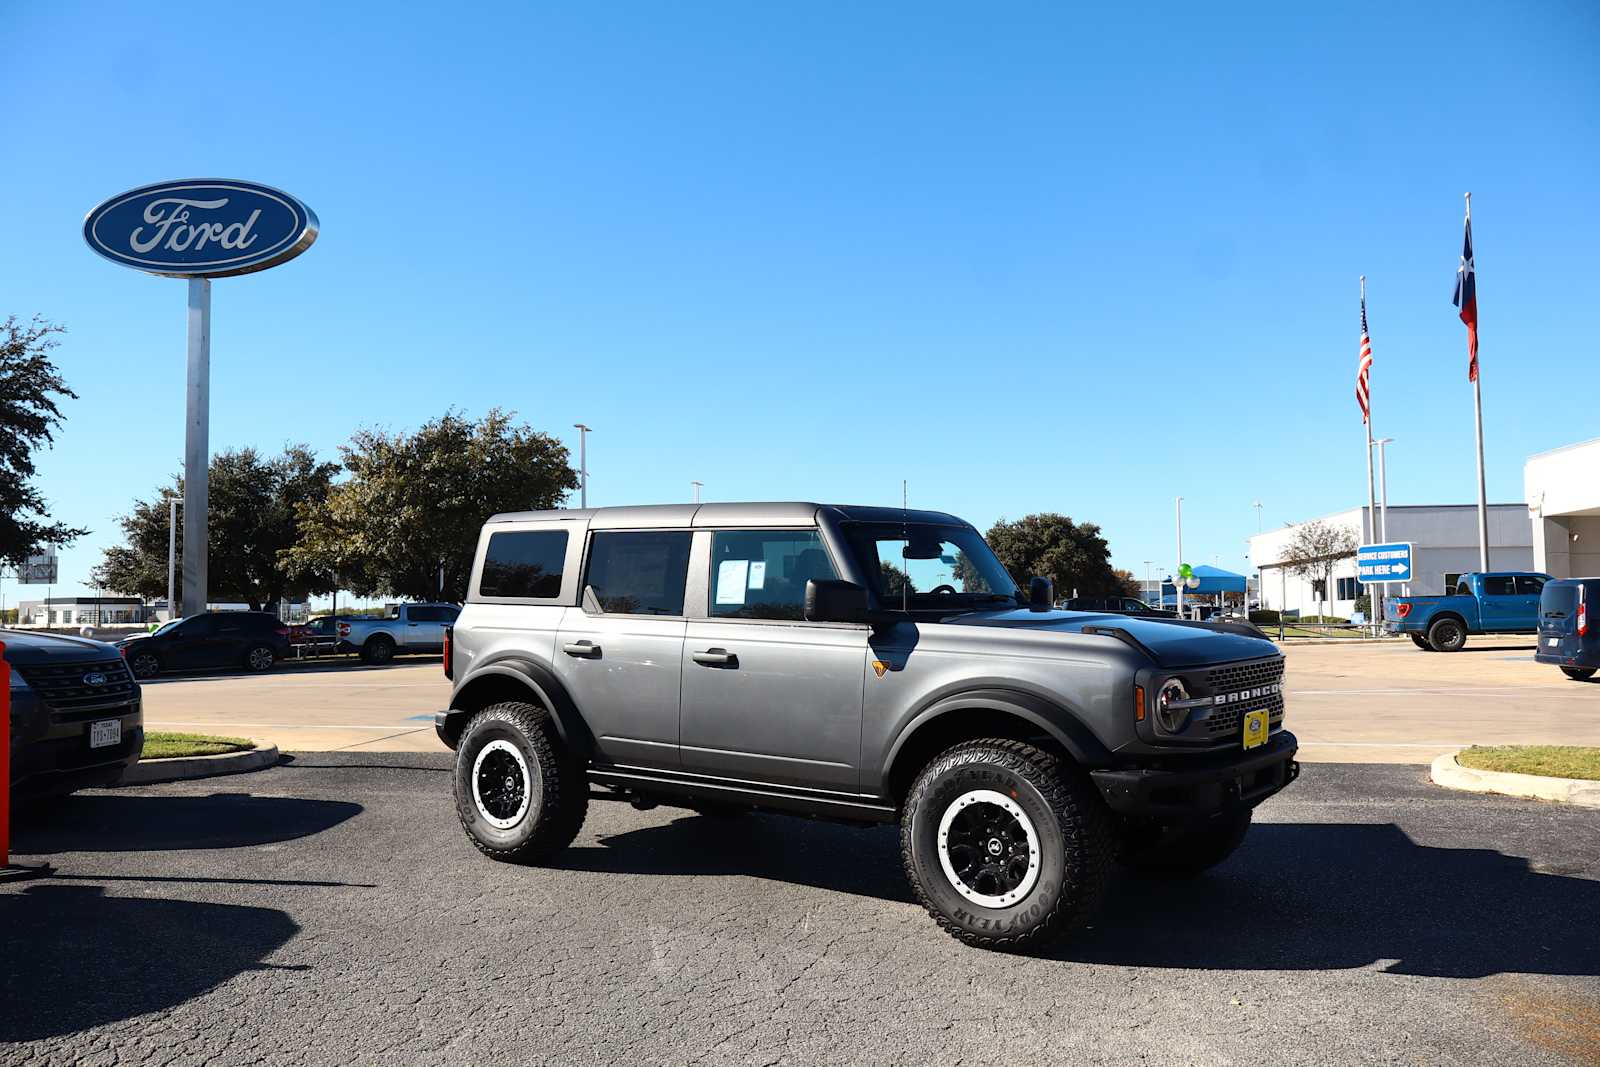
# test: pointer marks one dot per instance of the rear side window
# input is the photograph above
(523, 563)
(1528, 585)
(1500, 585)
(639, 573)
(426, 614)
(1558, 600)
(762, 574)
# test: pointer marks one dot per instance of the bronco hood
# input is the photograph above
(1170, 642)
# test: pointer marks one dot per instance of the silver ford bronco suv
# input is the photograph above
(861, 664)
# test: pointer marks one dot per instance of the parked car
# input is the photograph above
(253, 640)
(1118, 605)
(76, 717)
(1569, 626)
(866, 665)
(407, 628)
(1500, 602)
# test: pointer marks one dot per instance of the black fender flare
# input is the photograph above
(1050, 717)
(544, 686)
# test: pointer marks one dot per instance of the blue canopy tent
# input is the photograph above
(1213, 580)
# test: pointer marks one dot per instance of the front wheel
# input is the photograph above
(1421, 642)
(1447, 635)
(520, 794)
(1006, 845)
(1186, 852)
(1578, 674)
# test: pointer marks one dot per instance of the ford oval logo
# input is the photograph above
(94, 678)
(201, 228)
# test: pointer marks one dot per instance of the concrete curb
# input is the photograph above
(175, 770)
(1576, 791)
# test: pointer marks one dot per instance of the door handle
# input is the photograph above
(582, 649)
(717, 657)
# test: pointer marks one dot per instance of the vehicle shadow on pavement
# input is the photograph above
(76, 958)
(1327, 896)
(131, 822)
(836, 858)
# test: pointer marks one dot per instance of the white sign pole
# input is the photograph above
(197, 449)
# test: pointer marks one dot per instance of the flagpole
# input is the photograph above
(1477, 414)
(1369, 527)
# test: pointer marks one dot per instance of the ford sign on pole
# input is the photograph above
(199, 229)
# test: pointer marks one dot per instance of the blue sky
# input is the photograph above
(1027, 257)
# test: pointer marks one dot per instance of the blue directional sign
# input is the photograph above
(1376, 564)
(201, 228)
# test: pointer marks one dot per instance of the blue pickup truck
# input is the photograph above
(1501, 602)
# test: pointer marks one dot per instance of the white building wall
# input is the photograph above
(1446, 540)
(1563, 491)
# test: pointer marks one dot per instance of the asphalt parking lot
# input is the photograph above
(1355, 702)
(331, 911)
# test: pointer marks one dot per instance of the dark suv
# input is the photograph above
(1569, 626)
(76, 719)
(253, 640)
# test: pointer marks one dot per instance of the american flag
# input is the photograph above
(1362, 395)
(1466, 299)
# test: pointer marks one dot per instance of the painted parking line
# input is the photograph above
(1552, 690)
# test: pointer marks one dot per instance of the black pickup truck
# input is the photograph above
(76, 718)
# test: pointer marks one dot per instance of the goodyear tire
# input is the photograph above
(1578, 674)
(520, 795)
(1188, 852)
(1006, 845)
(1421, 642)
(1447, 635)
(378, 649)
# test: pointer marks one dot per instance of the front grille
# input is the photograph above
(1224, 722)
(60, 686)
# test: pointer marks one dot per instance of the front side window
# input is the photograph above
(524, 563)
(929, 568)
(639, 573)
(762, 574)
(1498, 586)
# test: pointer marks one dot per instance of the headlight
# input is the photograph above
(1169, 710)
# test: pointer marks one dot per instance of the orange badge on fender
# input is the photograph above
(879, 667)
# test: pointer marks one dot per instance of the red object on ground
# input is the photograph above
(5, 758)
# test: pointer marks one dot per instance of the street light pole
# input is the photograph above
(1157, 597)
(1261, 577)
(1383, 485)
(583, 463)
(1177, 579)
(697, 486)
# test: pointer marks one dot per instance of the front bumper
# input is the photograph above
(1178, 791)
(50, 756)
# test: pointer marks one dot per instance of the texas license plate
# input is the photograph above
(1256, 726)
(105, 733)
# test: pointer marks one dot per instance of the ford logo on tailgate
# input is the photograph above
(201, 228)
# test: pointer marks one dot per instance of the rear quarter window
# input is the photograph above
(524, 564)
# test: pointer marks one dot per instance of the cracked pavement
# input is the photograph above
(330, 911)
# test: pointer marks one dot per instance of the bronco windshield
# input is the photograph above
(924, 567)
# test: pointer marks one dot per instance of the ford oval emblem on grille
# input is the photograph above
(94, 678)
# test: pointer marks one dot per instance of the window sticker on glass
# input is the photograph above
(758, 573)
(731, 577)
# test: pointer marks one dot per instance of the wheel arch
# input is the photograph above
(518, 679)
(987, 712)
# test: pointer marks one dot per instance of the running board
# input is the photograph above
(667, 790)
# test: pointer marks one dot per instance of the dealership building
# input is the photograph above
(1563, 489)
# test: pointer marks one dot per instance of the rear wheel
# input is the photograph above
(1578, 674)
(1187, 851)
(378, 649)
(144, 664)
(520, 794)
(1421, 642)
(1006, 845)
(1447, 635)
(259, 658)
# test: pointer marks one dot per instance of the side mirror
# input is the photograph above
(1041, 594)
(832, 600)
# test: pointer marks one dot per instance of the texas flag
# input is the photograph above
(1466, 299)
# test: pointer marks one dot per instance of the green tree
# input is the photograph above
(29, 387)
(1127, 584)
(415, 503)
(1072, 555)
(252, 519)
